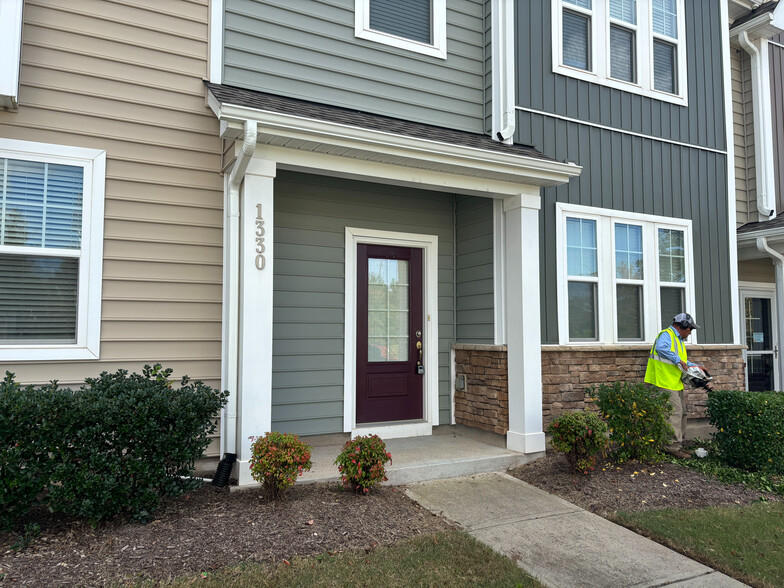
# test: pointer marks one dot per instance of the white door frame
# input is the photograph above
(760, 290)
(429, 245)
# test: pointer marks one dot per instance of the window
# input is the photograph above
(622, 276)
(10, 51)
(633, 45)
(414, 25)
(51, 233)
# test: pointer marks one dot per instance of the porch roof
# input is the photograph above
(301, 126)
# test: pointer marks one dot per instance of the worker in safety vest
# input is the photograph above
(666, 364)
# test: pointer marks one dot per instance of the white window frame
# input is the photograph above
(600, 50)
(88, 327)
(362, 30)
(605, 242)
(10, 51)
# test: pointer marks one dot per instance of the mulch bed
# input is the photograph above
(212, 528)
(208, 529)
(632, 486)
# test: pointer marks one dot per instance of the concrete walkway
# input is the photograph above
(555, 541)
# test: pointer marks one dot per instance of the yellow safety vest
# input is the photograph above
(661, 372)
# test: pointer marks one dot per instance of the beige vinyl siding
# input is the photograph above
(127, 78)
(739, 136)
(756, 270)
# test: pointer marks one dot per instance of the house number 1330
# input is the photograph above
(260, 261)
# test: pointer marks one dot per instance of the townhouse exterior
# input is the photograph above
(758, 100)
(465, 212)
(362, 136)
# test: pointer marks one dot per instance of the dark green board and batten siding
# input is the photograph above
(633, 170)
(308, 50)
(311, 214)
(701, 123)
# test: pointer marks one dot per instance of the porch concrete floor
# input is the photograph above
(451, 451)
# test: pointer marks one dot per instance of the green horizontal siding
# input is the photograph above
(311, 214)
(308, 50)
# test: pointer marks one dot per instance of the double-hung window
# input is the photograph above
(622, 276)
(51, 233)
(414, 25)
(634, 45)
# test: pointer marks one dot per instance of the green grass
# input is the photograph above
(744, 542)
(450, 558)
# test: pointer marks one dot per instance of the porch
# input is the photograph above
(451, 451)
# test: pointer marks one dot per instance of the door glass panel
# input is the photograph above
(759, 340)
(758, 324)
(388, 314)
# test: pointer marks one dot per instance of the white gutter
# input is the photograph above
(763, 140)
(503, 51)
(778, 264)
(231, 286)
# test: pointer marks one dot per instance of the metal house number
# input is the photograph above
(260, 261)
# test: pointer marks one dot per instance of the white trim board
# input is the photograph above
(429, 245)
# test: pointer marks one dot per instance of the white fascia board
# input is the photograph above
(426, 154)
(10, 50)
(763, 26)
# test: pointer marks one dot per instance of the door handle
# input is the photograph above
(420, 368)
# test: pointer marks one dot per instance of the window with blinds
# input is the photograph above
(633, 45)
(412, 25)
(619, 273)
(410, 19)
(40, 250)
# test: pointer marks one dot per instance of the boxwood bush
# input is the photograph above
(113, 447)
(749, 428)
(637, 415)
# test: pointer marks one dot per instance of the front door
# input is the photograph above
(761, 349)
(389, 334)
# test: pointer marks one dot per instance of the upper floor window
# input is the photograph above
(633, 45)
(51, 233)
(622, 276)
(414, 25)
(10, 51)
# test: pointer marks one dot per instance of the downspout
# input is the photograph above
(503, 95)
(761, 130)
(231, 287)
(778, 264)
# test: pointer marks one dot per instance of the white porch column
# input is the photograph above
(523, 335)
(254, 410)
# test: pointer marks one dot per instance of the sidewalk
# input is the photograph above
(557, 542)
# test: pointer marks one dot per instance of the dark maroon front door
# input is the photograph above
(389, 334)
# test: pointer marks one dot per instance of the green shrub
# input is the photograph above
(362, 461)
(113, 447)
(749, 429)
(29, 434)
(637, 416)
(276, 461)
(580, 435)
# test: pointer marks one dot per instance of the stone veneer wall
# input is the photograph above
(567, 371)
(484, 404)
